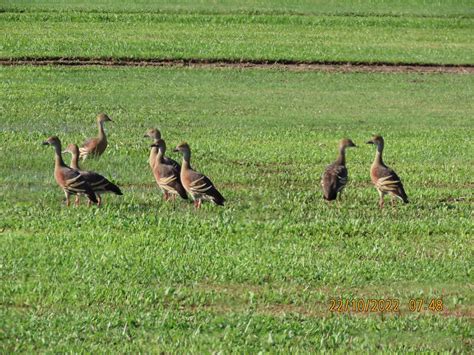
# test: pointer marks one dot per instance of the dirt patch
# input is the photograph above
(457, 199)
(335, 66)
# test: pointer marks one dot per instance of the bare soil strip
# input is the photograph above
(375, 67)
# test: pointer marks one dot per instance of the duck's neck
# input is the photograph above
(58, 159)
(341, 159)
(101, 130)
(75, 160)
(378, 155)
(186, 160)
(153, 154)
(160, 155)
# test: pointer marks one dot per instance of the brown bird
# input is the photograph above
(94, 147)
(99, 184)
(386, 181)
(155, 135)
(335, 176)
(70, 180)
(196, 184)
(167, 176)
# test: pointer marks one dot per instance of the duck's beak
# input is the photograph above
(176, 150)
(370, 142)
(45, 143)
(145, 135)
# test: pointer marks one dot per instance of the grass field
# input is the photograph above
(138, 274)
(424, 8)
(363, 38)
(259, 273)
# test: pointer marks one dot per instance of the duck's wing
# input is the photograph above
(334, 180)
(99, 183)
(88, 146)
(201, 184)
(172, 162)
(170, 180)
(75, 183)
(389, 182)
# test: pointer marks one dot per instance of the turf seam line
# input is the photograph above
(244, 63)
(236, 12)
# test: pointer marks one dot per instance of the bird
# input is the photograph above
(335, 176)
(196, 184)
(70, 180)
(167, 176)
(386, 181)
(99, 184)
(155, 134)
(94, 147)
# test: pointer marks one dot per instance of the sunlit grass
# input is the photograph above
(304, 7)
(237, 37)
(259, 273)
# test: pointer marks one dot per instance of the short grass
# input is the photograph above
(307, 7)
(237, 37)
(258, 274)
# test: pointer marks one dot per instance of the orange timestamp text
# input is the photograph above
(362, 305)
(378, 305)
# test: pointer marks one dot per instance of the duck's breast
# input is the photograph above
(374, 173)
(59, 176)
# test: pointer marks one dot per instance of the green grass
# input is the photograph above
(261, 37)
(339, 7)
(140, 274)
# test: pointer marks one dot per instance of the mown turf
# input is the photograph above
(236, 37)
(139, 274)
(335, 7)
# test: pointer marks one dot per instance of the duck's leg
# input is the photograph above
(68, 201)
(77, 200)
(381, 199)
(99, 200)
(166, 195)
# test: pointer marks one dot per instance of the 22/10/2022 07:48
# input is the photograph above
(361, 305)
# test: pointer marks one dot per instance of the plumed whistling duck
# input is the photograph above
(167, 176)
(70, 180)
(99, 184)
(94, 147)
(196, 184)
(155, 135)
(386, 181)
(335, 177)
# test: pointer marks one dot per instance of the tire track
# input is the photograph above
(325, 66)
